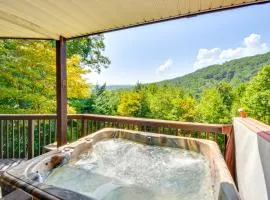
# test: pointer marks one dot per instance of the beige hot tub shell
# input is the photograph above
(22, 175)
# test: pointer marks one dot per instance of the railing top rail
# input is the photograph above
(26, 116)
(192, 126)
(143, 119)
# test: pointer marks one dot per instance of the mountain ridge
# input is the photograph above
(236, 71)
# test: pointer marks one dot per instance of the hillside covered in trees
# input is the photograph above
(234, 72)
(218, 103)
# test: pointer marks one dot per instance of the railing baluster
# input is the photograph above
(71, 130)
(77, 129)
(98, 125)
(50, 132)
(39, 138)
(207, 135)
(12, 142)
(1, 139)
(55, 130)
(30, 145)
(200, 135)
(92, 124)
(7, 140)
(83, 127)
(19, 138)
(24, 140)
(225, 144)
(87, 128)
(44, 132)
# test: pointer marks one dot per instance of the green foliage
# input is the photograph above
(226, 93)
(188, 111)
(27, 75)
(130, 104)
(101, 101)
(106, 103)
(256, 99)
(211, 107)
(238, 93)
(163, 102)
(99, 90)
(90, 50)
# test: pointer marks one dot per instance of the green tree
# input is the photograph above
(27, 75)
(163, 101)
(226, 92)
(130, 104)
(90, 49)
(211, 108)
(187, 107)
(106, 103)
(257, 96)
(238, 93)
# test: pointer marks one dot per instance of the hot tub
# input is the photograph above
(123, 164)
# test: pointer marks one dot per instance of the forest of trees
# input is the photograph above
(216, 104)
(213, 94)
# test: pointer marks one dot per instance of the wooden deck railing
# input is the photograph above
(23, 136)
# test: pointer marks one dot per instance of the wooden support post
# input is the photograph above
(30, 144)
(61, 91)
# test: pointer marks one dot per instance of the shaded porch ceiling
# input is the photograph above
(50, 19)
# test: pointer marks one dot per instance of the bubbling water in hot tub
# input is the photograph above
(118, 169)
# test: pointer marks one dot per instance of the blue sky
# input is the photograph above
(174, 48)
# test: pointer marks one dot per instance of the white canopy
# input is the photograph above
(50, 19)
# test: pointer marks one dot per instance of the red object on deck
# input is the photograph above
(243, 114)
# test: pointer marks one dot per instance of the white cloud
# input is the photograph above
(252, 45)
(165, 66)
